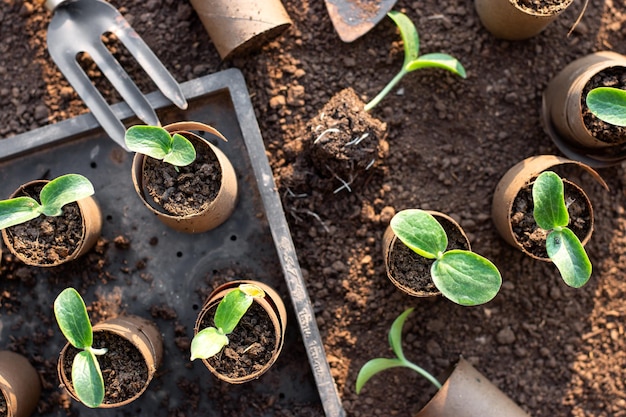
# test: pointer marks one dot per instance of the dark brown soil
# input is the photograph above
(554, 350)
(543, 7)
(605, 132)
(123, 368)
(186, 190)
(531, 236)
(250, 345)
(3, 405)
(47, 240)
(411, 270)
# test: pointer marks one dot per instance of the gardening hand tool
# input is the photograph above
(77, 26)
(354, 18)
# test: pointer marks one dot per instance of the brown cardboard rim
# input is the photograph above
(506, 20)
(271, 303)
(238, 26)
(91, 216)
(468, 393)
(143, 334)
(218, 210)
(390, 239)
(518, 177)
(20, 384)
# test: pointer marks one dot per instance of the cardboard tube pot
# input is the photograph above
(393, 247)
(212, 214)
(238, 26)
(91, 224)
(522, 175)
(141, 333)
(467, 393)
(562, 111)
(272, 304)
(19, 384)
(505, 19)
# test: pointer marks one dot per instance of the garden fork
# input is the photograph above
(77, 26)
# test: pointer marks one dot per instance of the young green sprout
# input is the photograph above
(374, 366)
(412, 60)
(53, 196)
(72, 318)
(157, 143)
(563, 246)
(210, 341)
(608, 104)
(462, 276)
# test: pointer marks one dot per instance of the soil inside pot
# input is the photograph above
(123, 367)
(542, 7)
(530, 235)
(412, 270)
(3, 406)
(47, 240)
(190, 189)
(250, 345)
(604, 132)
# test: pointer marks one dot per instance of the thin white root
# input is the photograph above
(331, 130)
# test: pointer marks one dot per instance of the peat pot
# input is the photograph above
(60, 239)
(512, 20)
(513, 216)
(133, 343)
(270, 308)
(20, 385)
(565, 116)
(238, 26)
(194, 217)
(467, 393)
(409, 271)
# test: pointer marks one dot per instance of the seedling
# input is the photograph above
(53, 196)
(412, 60)
(608, 104)
(374, 366)
(157, 143)
(210, 341)
(72, 318)
(462, 276)
(563, 247)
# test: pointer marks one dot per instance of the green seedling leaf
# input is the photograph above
(64, 190)
(549, 210)
(157, 143)
(18, 210)
(466, 278)
(409, 35)
(87, 379)
(420, 231)
(395, 333)
(373, 367)
(437, 60)
(208, 342)
(231, 310)
(569, 256)
(72, 318)
(608, 104)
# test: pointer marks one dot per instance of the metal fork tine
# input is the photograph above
(120, 80)
(91, 96)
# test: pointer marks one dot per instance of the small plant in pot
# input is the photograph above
(107, 365)
(460, 275)
(465, 393)
(185, 180)
(344, 140)
(47, 223)
(239, 332)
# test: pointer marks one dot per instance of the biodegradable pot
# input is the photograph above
(138, 332)
(44, 255)
(418, 282)
(212, 213)
(520, 177)
(506, 19)
(19, 384)
(467, 393)
(271, 304)
(238, 26)
(564, 108)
